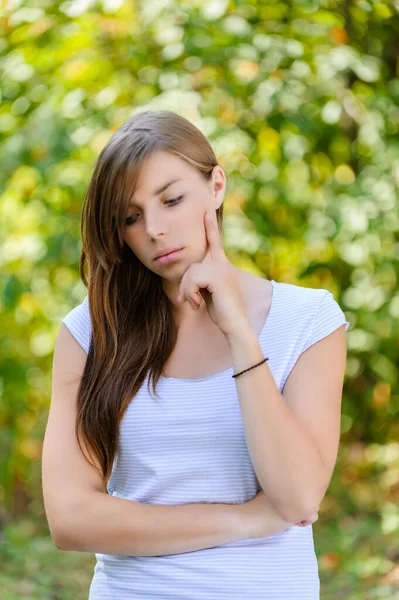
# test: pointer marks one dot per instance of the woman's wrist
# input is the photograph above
(237, 521)
(244, 522)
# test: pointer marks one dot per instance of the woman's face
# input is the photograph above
(173, 218)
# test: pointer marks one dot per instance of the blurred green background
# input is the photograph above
(300, 103)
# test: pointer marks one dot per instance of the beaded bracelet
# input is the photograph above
(241, 372)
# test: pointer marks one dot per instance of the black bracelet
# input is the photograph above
(261, 363)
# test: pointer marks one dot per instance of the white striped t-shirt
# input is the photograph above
(189, 446)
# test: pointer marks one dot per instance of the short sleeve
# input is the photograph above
(79, 324)
(329, 317)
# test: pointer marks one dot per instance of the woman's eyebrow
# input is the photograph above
(159, 190)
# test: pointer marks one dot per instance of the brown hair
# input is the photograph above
(133, 328)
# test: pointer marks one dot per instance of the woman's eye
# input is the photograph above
(174, 200)
(131, 220)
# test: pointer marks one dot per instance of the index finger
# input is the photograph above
(214, 239)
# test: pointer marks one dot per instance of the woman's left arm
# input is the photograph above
(293, 437)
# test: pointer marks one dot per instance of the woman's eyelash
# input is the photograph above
(170, 202)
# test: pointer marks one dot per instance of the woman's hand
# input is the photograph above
(312, 519)
(262, 520)
(215, 281)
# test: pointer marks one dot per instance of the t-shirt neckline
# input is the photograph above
(266, 325)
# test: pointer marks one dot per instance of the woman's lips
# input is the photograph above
(169, 257)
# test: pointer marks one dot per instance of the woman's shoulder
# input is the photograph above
(78, 322)
(316, 309)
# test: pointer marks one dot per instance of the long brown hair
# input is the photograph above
(133, 327)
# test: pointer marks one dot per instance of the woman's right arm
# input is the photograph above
(82, 517)
(112, 525)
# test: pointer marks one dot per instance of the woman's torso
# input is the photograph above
(189, 446)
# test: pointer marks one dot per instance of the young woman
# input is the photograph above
(199, 485)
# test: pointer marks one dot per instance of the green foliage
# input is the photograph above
(300, 102)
